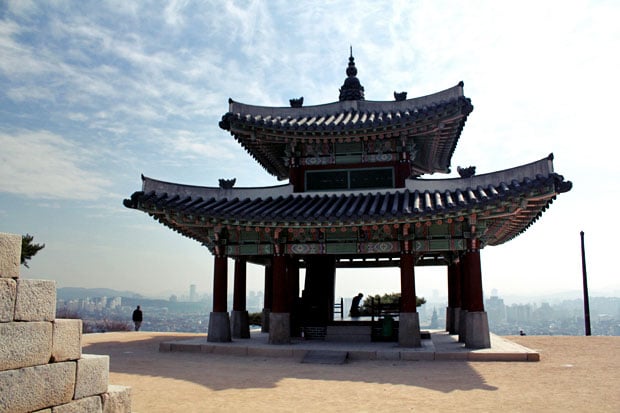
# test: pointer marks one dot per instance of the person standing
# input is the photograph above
(137, 318)
(355, 305)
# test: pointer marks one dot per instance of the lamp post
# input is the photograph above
(586, 300)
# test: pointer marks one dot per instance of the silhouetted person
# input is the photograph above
(355, 305)
(137, 318)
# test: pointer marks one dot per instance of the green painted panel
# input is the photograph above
(350, 248)
(348, 159)
(248, 249)
(439, 245)
(348, 148)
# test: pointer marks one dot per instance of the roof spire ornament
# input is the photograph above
(352, 88)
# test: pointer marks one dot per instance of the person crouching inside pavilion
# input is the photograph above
(354, 312)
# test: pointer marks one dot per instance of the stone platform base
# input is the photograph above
(219, 328)
(440, 346)
(409, 330)
(477, 326)
(240, 324)
(279, 328)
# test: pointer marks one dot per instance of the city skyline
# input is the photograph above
(97, 93)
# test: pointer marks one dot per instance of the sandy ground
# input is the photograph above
(575, 374)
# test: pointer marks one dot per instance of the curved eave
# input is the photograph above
(439, 118)
(507, 207)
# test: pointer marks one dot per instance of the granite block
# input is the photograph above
(8, 291)
(35, 300)
(117, 399)
(38, 387)
(66, 340)
(25, 344)
(10, 255)
(86, 405)
(92, 375)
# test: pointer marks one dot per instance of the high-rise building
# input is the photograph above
(192, 293)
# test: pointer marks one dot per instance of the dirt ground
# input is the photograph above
(576, 374)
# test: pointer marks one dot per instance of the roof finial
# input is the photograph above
(351, 89)
(351, 69)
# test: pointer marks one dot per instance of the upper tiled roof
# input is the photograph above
(434, 123)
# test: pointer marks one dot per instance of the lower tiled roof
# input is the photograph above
(533, 194)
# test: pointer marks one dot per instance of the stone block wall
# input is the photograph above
(42, 368)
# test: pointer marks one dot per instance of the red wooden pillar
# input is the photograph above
(239, 294)
(407, 283)
(220, 284)
(293, 280)
(475, 300)
(280, 317)
(280, 285)
(293, 275)
(240, 320)
(464, 295)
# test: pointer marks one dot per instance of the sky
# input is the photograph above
(95, 93)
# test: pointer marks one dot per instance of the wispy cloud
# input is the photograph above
(40, 164)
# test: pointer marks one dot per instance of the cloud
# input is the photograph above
(22, 94)
(190, 146)
(40, 164)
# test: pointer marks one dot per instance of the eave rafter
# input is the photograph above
(268, 146)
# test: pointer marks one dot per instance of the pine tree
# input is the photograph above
(29, 249)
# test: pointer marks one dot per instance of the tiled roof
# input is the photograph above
(436, 119)
(440, 199)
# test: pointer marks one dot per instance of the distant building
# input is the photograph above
(519, 313)
(114, 303)
(496, 310)
(193, 296)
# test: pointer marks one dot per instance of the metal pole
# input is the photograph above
(586, 300)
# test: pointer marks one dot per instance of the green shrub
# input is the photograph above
(256, 319)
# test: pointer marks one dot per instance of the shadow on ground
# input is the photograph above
(138, 354)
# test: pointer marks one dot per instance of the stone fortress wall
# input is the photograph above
(42, 368)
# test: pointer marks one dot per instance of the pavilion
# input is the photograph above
(354, 198)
